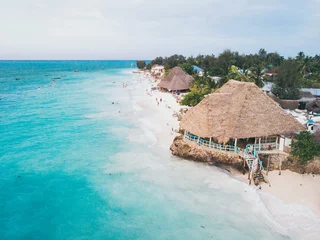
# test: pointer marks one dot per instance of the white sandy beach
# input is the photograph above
(289, 187)
(295, 188)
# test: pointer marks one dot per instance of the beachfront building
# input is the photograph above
(198, 70)
(239, 118)
(157, 70)
(177, 80)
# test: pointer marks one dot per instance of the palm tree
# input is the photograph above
(274, 59)
(305, 66)
(300, 56)
(257, 73)
(262, 53)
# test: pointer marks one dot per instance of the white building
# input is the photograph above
(157, 70)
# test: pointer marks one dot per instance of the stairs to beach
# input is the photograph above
(254, 164)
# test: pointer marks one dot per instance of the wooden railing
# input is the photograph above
(250, 152)
(212, 145)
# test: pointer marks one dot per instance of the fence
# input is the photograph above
(263, 146)
(251, 150)
(249, 153)
(212, 145)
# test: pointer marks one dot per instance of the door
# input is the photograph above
(281, 144)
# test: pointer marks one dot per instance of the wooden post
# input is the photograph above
(280, 165)
(268, 165)
(255, 141)
(235, 145)
(259, 144)
(210, 143)
(198, 140)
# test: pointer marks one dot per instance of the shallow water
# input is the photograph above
(75, 166)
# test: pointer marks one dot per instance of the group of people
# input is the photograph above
(160, 100)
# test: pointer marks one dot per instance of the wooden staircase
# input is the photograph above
(254, 164)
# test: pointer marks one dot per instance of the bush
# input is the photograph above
(187, 67)
(192, 99)
(141, 64)
(305, 147)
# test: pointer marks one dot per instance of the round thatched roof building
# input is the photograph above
(238, 110)
(176, 80)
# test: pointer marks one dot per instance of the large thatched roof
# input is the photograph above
(177, 79)
(238, 110)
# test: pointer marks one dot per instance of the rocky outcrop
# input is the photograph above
(313, 167)
(188, 150)
(287, 162)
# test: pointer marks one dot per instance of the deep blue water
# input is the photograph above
(68, 169)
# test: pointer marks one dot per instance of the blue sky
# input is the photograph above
(139, 29)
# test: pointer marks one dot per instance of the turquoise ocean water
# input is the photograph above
(75, 166)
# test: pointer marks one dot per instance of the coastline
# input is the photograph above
(290, 188)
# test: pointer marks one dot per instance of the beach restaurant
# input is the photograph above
(236, 116)
(176, 80)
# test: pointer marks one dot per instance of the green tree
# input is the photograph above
(225, 60)
(236, 75)
(304, 146)
(274, 60)
(288, 80)
(257, 73)
(141, 64)
(192, 99)
(187, 67)
(191, 60)
(203, 85)
(262, 54)
(173, 61)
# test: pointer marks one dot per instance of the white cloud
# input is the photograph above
(97, 29)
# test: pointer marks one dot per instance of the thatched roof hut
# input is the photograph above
(238, 110)
(177, 79)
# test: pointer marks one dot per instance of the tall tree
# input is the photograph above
(262, 54)
(257, 73)
(174, 61)
(287, 82)
(225, 60)
(158, 60)
(273, 60)
(187, 67)
(141, 64)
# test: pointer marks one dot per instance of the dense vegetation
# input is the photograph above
(305, 147)
(287, 74)
(141, 64)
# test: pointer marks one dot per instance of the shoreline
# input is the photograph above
(290, 188)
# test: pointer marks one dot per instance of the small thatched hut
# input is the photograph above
(239, 111)
(177, 80)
